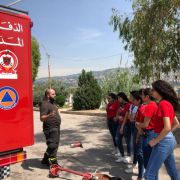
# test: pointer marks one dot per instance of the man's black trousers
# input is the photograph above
(52, 140)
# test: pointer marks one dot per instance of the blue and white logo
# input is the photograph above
(8, 98)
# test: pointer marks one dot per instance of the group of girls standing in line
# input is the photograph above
(145, 122)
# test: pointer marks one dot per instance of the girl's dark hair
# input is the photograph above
(123, 96)
(137, 97)
(132, 92)
(113, 96)
(148, 92)
(167, 92)
(141, 91)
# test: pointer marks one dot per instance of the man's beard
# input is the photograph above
(52, 100)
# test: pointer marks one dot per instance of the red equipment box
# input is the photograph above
(16, 107)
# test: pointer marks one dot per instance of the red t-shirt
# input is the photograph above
(112, 109)
(140, 114)
(165, 109)
(150, 112)
(123, 110)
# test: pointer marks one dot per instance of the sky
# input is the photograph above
(76, 34)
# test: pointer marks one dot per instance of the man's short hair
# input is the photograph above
(47, 91)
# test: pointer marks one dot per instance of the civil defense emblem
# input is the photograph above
(8, 98)
(8, 65)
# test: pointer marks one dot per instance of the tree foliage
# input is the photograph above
(60, 100)
(36, 56)
(119, 81)
(88, 94)
(61, 92)
(153, 35)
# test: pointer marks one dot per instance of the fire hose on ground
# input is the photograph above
(56, 169)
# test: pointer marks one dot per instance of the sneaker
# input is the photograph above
(127, 160)
(120, 159)
(118, 154)
(131, 171)
(135, 166)
(129, 166)
(116, 151)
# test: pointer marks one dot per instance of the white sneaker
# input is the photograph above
(118, 155)
(129, 166)
(135, 166)
(120, 159)
(116, 151)
(131, 171)
(132, 166)
(127, 160)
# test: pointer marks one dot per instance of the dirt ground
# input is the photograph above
(96, 154)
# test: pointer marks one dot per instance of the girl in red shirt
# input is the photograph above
(111, 109)
(139, 134)
(122, 113)
(128, 130)
(164, 142)
(148, 123)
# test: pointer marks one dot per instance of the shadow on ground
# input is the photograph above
(93, 125)
(98, 158)
(67, 137)
(30, 164)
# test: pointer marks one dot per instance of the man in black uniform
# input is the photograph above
(51, 119)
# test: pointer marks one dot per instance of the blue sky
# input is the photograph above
(76, 34)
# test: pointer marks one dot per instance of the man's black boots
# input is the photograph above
(53, 160)
(45, 159)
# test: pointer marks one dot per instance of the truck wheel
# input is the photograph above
(4, 172)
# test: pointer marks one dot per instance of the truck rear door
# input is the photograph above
(16, 107)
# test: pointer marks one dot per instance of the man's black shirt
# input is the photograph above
(46, 108)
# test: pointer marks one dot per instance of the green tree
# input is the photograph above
(59, 87)
(88, 94)
(38, 93)
(60, 100)
(119, 81)
(36, 56)
(152, 34)
(40, 87)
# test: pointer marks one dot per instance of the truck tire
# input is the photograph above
(4, 172)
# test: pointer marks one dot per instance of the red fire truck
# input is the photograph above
(16, 107)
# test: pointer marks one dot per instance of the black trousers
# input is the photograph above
(52, 140)
(112, 125)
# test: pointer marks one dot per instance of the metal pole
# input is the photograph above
(49, 72)
(13, 9)
(13, 3)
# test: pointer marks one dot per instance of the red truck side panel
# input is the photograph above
(16, 109)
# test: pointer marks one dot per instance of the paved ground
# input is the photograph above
(96, 153)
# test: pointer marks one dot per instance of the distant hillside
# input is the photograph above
(71, 80)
